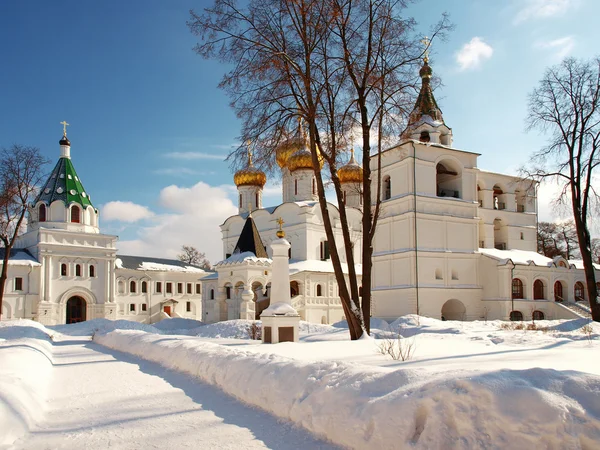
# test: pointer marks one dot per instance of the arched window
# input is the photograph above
(424, 136)
(314, 186)
(579, 296)
(558, 292)
(42, 213)
(240, 200)
(75, 214)
(324, 250)
(499, 198)
(538, 290)
(537, 315)
(517, 288)
(212, 294)
(132, 287)
(387, 188)
(256, 199)
(295, 187)
(77, 270)
(319, 291)
(63, 270)
(448, 179)
(121, 287)
(144, 287)
(228, 292)
(516, 315)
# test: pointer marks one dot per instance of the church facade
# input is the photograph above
(64, 270)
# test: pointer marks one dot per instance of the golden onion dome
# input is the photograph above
(250, 176)
(287, 148)
(351, 172)
(302, 159)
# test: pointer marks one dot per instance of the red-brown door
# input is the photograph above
(167, 309)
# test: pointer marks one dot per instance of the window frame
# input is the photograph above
(18, 285)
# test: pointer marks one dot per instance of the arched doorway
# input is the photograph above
(454, 310)
(76, 310)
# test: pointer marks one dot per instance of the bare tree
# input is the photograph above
(566, 106)
(297, 59)
(194, 257)
(21, 172)
(558, 239)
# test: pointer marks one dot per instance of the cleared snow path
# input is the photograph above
(100, 398)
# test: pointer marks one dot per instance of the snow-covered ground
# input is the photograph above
(468, 384)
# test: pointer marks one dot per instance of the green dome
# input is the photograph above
(64, 184)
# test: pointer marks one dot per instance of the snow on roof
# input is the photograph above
(19, 257)
(238, 258)
(521, 257)
(313, 265)
(578, 263)
(155, 264)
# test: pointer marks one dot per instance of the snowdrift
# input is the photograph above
(24, 376)
(373, 407)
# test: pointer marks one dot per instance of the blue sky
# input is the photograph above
(124, 75)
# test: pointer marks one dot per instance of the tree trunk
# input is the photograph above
(367, 221)
(3, 277)
(583, 236)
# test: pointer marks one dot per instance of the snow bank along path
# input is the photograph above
(372, 407)
(75, 394)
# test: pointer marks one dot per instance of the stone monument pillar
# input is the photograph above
(280, 321)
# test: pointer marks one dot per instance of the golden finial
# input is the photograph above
(248, 143)
(427, 43)
(280, 232)
(65, 125)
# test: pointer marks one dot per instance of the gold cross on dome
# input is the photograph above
(65, 125)
(427, 43)
(248, 143)
(280, 233)
(280, 222)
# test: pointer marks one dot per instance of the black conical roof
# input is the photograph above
(250, 240)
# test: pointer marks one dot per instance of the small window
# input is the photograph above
(75, 214)
(240, 200)
(132, 307)
(319, 291)
(188, 306)
(121, 286)
(314, 186)
(144, 307)
(169, 288)
(256, 199)
(522, 236)
(537, 315)
(77, 270)
(290, 253)
(132, 287)
(189, 288)
(144, 287)
(180, 288)
(387, 188)
(198, 288)
(295, 187)
(92, 271)
(324, 250)
(212, 294)
(42, 213)
(63, 270)
(158, 287)
(18, 284)
(228, 292)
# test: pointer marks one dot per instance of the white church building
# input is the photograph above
(452, 242)
(64, 270)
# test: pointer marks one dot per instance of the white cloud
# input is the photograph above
(561, 47)
(125, 212)
(194, 155)
(473, 53)
(194, 216)
(541, 9)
